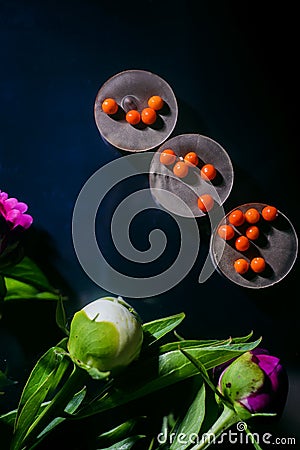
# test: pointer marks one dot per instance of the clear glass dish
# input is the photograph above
(277, 244)
(131, 89)
(188, 189)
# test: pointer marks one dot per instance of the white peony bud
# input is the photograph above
(105, 335)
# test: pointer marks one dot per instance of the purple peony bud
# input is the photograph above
(255, 382)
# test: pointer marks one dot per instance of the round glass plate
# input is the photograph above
(163, 181)
(277, 244)
(131, 89)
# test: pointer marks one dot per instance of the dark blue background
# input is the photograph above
(233, 71)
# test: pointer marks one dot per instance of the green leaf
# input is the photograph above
(242, 339)
(155, 330)
(203, 372)
(201, 368)
(117, 433)
(43, 379)
(53, 362)
(191, 423)
(29, 412)
(184, 343)
(158, 371)
(71, 407)
(76, 401)
(191, 343)
(55, 408)
(125, 444)
(17, 290)
(9, 418)
(2, 288)
(28, 272)
(61, 319)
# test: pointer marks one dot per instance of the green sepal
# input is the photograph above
(92, 343)
(92, 371)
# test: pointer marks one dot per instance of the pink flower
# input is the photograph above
(14, 211)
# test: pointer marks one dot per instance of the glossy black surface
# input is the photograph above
(232, 68)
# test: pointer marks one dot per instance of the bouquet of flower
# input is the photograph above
(110, 361)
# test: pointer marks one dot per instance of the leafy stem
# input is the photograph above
(226, 420)
(54, 409)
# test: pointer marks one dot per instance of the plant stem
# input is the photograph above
(56, 407)
(226, 419)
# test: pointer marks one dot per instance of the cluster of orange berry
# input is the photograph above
(242, 243)
(181, 168)
(148, 115)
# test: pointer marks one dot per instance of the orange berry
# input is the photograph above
(155, 102)
(241, 266)
(205, 202)
(252, 232)
(269, 213)
(133, 117)
(208, 172)
(242, 243)
(191, 159)
(109, 106)
(181, 169)
(226, 232)
(148, 116)
(258, 264)
(236, 217)
(252, 215)
(167, 157)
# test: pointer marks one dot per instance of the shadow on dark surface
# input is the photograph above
(28, 327)
(39, 245)
(189, 120)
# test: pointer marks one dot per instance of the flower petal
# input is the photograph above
(13, 215)
(270, 365)
(3, 196)
(21, 206)
(10, 203)
(25, 220)
(258, 402)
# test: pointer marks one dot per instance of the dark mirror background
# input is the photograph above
(232, 67)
